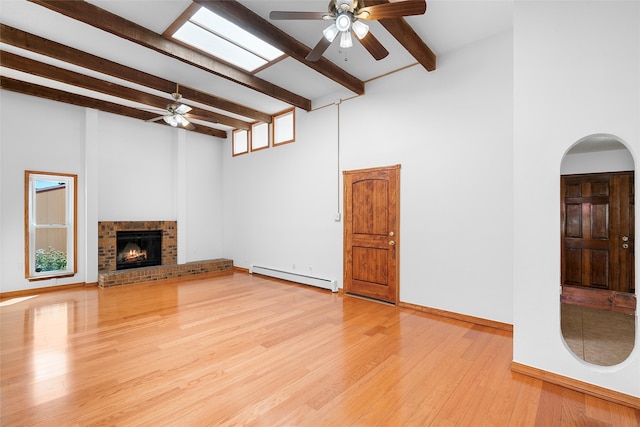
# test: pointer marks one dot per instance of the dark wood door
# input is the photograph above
(598, 231)
(371, 232)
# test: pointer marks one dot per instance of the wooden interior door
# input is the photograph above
(598, 231)
(371, 238)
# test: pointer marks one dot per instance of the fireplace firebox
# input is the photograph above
(138, 249)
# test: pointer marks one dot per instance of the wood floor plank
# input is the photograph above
(248, 350)
(526, 405)
(549, 406)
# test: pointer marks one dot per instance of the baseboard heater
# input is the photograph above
(319, 282)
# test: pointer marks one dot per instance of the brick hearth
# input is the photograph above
(109, 276)
(190, 270)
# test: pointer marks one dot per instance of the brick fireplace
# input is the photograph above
(109, 275)
(108, 230)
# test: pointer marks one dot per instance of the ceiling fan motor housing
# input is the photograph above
(343, 5)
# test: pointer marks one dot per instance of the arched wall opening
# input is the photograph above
(597, 210)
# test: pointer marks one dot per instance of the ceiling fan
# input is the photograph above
(175, 114)
(348, 16)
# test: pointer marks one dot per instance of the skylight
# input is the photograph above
(218, 37)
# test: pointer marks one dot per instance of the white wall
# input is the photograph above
(40, 135)
(202, 222)
(280, 203)
(451, 132)
(127, 170)
(137, 170)
(576, 73)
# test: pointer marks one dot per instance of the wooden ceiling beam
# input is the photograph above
(400, 29)
(99, 18)
(259, 27)
(39, 91)
(36, 68)
(31, 42)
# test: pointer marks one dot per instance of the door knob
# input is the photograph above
(391, 243)
(625, 238)
(625, 246)
(391, 234)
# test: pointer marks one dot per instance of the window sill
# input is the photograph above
(50, 276)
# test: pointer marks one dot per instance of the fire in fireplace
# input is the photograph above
(138, 249)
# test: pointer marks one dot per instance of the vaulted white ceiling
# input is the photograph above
(446, 26)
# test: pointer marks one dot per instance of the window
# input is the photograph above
(50, 225)
(262, 135)
(259, 136)
(215, 36)
(240, 142)
(284, 130)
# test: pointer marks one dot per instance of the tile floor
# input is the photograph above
(600, 337)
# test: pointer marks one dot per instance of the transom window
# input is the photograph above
(240, 142)
(216, 36)
(282, 130)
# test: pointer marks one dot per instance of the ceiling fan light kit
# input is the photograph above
(343, 21)
(176, 120)
(174, 116)
(331, 32)
(360, 28)
(345, 40)
(347, 15)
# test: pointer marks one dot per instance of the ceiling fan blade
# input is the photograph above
(374, 46)
(182, 109)
(393, 10)
(155, 119)
(279, 14)
(187, 124)
(318, 50)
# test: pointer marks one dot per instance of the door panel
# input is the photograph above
(598, 231)
(599, 268)
(370, 203)
(371, 244)
(600, 221)
(370, 265)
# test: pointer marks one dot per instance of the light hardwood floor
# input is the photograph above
(247, 350)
